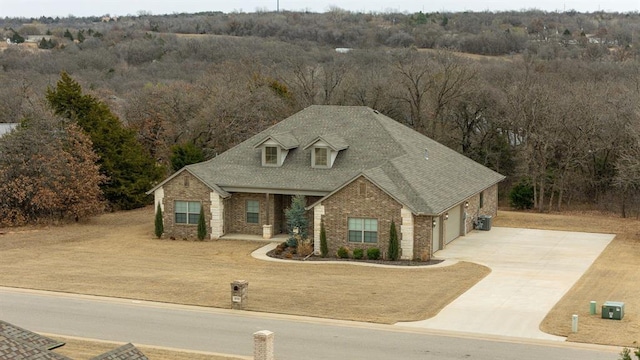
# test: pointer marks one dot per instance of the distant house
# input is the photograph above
(19, 343)
(359, 170)
(7, 127)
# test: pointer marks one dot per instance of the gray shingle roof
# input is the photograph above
(28, 337)
(286, 140)
(15, 349)
(385, 151)
(124, 352)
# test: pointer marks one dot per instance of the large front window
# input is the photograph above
(271, 155)
(363, 230)
(321, 157)
(187, 212)
(253, 211)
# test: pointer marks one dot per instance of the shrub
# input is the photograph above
(159, 225)
(393, 242)
(292, 242)
(373, 254)
(521, 196)
(324, 247)
(305, 248)
(343, 253)
(202, 227)
(358, 254)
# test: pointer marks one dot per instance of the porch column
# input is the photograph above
(267, 229)
(318, 211)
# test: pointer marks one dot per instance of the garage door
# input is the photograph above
(453, 224)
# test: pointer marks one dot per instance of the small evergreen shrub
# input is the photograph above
(358, 254)
(394, 252)
(521, 196)
(202, 227)
(324, 247)
(373, 254)
(343, 253)
(159, 224)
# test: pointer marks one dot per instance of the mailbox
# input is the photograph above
(239, 297)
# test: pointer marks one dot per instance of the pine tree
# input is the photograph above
(393, 242)
(324, 247)
(185, 154)
(130, 171)
(159, 223)
(202, 226)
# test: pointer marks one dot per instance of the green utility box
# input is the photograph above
(613, 310)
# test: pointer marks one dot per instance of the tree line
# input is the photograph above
(565, 127)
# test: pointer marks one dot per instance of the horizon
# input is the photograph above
(67, 8)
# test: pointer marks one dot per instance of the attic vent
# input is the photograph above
(426, 154)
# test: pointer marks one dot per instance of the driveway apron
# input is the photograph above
(531, 271)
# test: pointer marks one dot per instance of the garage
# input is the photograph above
(453, 224)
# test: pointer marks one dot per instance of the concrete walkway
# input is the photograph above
(531, 271)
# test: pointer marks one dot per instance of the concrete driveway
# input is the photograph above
(531, 271)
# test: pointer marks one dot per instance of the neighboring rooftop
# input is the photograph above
(7, 127)
(18, 343)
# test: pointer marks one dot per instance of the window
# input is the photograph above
(363, 230)
(481, 199)
(321, 157)
(271, 155)
(187, 212)
(253, 211)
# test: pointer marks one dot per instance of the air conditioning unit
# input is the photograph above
(613, 310)
(484, 222)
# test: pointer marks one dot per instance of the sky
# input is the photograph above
(53, 8)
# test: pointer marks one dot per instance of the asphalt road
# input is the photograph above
(230, 332)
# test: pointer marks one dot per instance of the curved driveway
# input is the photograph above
(531, 271)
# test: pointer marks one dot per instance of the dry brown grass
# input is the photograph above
(117, 255)
(614, 276)
(79, 349)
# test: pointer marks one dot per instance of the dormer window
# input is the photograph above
(320, 157)
(325, 149)
(275, 147)
(271, 155)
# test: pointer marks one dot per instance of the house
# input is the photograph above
(359, 171)
(19, 343)
(6, 128)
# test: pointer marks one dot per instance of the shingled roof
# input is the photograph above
(19, 343)
(386, 152)
(124, 352)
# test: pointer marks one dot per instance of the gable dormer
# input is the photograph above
(275, 147)
(325, 149)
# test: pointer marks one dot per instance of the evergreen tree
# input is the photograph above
(16, 38)
(130, 171)
(159, 223)
(394, 249)
(185, 154)
(297, 219)
(68, 35)
(324, 247)
(202, 226)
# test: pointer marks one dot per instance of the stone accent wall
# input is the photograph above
(423, 232)
(184, 187)
(158, 197)
(359, 199)
(263, 345)
(406, 230)
(318, 211)
(217, 216)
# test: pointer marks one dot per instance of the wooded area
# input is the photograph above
(548, 99)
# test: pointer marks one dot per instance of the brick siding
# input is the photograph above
(360, 199)
(184, 187)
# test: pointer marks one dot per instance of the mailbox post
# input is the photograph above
(239, 296)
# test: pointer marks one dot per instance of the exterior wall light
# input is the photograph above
(434, 223)
(446, 216)
(466, 204)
